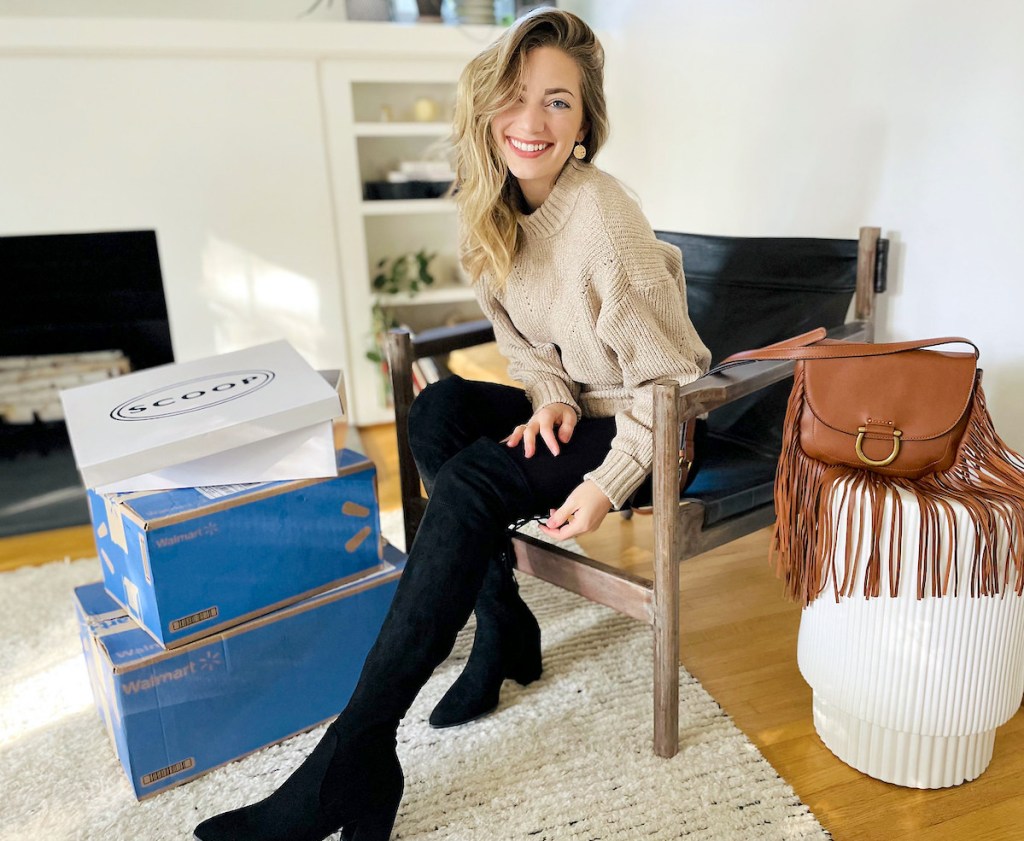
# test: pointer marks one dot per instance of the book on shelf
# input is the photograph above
(418, 381)
(424, 370)
(429, 368)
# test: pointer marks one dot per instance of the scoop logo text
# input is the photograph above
(192, 395)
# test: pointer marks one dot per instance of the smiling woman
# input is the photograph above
(539, 130)
(548, 71)
(590, 310)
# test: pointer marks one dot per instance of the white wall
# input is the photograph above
(797, 117)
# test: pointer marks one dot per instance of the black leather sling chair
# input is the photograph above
(742, 293)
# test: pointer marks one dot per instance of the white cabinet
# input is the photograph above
(246, 146)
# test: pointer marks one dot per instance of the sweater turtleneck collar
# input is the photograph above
(551, 216)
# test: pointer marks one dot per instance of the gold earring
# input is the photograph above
(579, 151)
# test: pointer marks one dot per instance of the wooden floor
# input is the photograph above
(739, 640)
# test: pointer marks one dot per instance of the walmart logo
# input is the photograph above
(208, 661)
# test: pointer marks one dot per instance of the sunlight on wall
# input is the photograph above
(254, 301)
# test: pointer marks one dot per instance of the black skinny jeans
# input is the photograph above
(451, 414)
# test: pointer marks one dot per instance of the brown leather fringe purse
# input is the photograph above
(876, 419)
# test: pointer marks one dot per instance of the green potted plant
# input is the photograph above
(407, 275)
(404, 273)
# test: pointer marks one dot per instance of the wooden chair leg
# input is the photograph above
(666, 667)
(666, 570)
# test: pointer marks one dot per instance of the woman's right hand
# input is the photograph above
(543, 423)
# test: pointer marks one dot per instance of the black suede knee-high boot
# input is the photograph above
(507, 639)
(506, 645)
(353, 780)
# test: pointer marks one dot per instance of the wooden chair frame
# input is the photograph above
(679, 531)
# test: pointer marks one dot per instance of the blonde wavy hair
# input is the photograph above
(486, 192)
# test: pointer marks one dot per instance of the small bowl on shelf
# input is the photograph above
(436, 189)
(387, 190)
(393, 190)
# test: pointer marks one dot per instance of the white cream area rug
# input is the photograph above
(568, 757)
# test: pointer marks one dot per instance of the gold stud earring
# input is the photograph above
(579, 151)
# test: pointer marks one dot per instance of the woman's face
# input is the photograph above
(538, 131)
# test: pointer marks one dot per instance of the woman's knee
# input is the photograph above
(483, 472)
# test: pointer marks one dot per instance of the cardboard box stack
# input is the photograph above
(244, 574)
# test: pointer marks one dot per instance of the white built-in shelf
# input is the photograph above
(399, 207)
(440, 295)
(399, 44)
(402, 129)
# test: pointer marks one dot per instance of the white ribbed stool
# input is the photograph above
(909, 690)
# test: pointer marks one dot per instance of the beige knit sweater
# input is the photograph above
(593, 314)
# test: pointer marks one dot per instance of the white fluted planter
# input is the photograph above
(911, 690)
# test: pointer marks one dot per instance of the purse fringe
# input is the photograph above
(987, 479)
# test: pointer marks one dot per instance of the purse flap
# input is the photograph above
(923, 393)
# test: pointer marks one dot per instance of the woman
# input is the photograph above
(589, 309)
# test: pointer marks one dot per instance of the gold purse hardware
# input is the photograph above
(880, 427)
(891, 457)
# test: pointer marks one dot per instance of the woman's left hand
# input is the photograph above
(582, 512)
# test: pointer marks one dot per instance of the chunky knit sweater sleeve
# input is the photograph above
(644, 321)
(537, 365)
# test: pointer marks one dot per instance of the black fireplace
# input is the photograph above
(70, 294)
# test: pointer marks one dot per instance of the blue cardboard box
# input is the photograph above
(173, 715)
(188, 562)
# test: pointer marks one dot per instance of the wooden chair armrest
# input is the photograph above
(440, 340)
(715, 390)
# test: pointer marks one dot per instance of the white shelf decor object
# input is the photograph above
(911, 690)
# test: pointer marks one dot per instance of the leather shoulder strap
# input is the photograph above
(830, 349)
(809, 338)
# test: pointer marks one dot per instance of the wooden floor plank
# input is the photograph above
(40, 548)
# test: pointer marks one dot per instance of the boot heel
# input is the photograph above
(526, 673)
(528, 665)
(374, 826)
